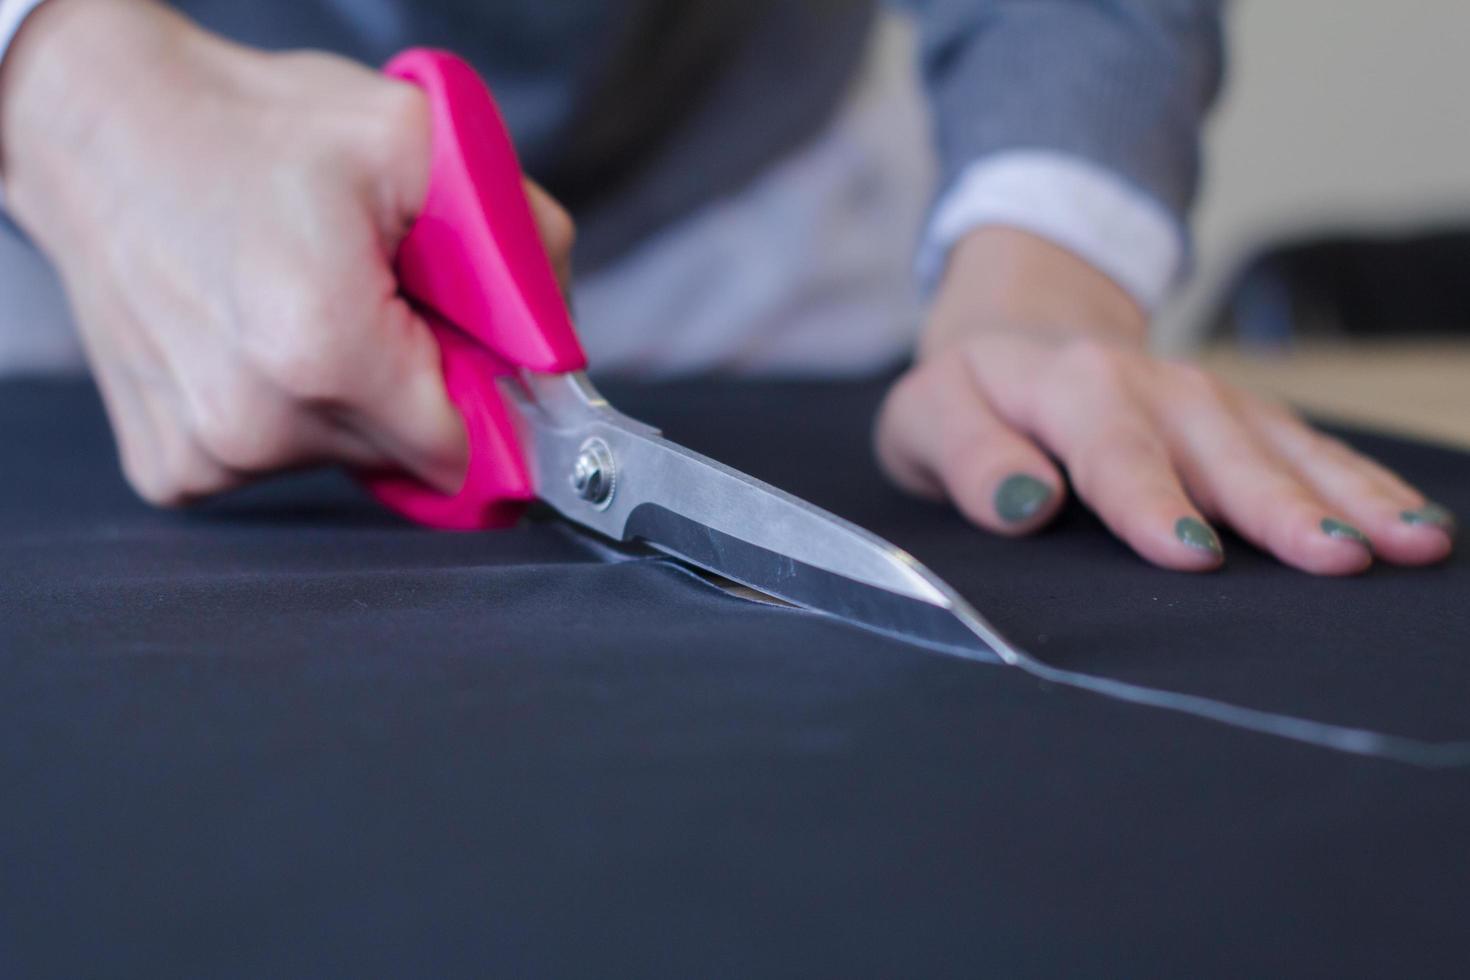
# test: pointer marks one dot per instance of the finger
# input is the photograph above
(379, 376)
(1120, 466)
(400, 407)
(331, 430)
(1402, 525)
(558, 231)
(1083, 407)
(182, 470)
(241, 420)
(938, 434)
(249, 426)
(165, 464)
(132, 430)
(1234, 474)
(157, 458)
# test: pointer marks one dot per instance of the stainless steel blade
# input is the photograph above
(622, 479)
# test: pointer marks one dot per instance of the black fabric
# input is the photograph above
(287, 735)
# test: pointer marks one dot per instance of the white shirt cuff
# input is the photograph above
(12, 14)
(1076, 204)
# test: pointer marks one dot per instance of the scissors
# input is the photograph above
(537, 429)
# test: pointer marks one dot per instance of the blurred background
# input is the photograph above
(1332, 255)
(1333, 237)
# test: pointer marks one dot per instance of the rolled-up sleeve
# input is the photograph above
(1118, 87)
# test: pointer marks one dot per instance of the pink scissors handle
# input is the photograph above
(474, 264)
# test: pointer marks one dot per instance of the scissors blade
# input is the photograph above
(622, 479)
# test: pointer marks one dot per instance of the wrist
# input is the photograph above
(81, 76)
(1001, 278)
(41, 87)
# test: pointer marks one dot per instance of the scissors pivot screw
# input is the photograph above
(594, 474)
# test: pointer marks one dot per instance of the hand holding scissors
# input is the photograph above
(538, 429)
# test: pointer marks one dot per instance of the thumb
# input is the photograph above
(409, 417)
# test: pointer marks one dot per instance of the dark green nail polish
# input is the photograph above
(1342, 530)
(1432, 514)
(1019, 497)
(1197, 534)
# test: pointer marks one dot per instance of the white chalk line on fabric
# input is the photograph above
(1338, 738)
(1326, 735)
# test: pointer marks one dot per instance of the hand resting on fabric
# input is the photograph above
(1032, 358)
(224, 221)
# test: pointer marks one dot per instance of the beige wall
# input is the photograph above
(1339, 114)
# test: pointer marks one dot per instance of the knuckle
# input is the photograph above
(1304, 444)
(160, 485)
(234, 427)
(196, 480)
(405, 109)
(144, 470)
(1097, 360)
(1233, 458)
(245, 448)
(1200, 388)
(233, 444)
(149, 483)
(1198, 381)
(401, 135)
(301, 354)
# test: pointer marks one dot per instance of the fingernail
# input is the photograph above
(1432, 514)
(1019, 497)
(1197, 534)
(1343, 531)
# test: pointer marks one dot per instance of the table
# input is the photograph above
(288, 735)
(1415, 386)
